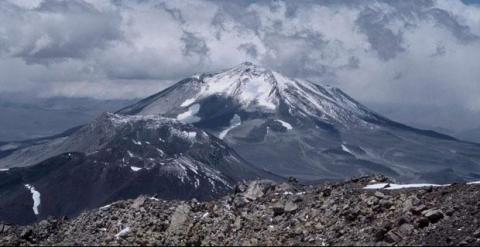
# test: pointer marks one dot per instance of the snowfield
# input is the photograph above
(285, 124)
(135, 169)
(189, 116)
(235, 122)
(388, 186)
(35, 197)
(345, 149)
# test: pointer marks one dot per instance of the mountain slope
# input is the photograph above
(119, 157)
(263, 213)
(470, 135)
(298, 128)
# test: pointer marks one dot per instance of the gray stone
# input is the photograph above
(278, 208)
(290, 207)
(407, 205)
(179, 218)
(423, 222)
(257, 189)
(433, 215)
(406, 229)
(380, 195)
(138, 202)
(372, 201)
(238, 223)
(26, 233)
(419, 209)
(392, 237)
(385, 203)
(477, 233)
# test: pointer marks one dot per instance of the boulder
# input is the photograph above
(257, 189)
(290, 207)
(179, 218)
(379, 195)
(477, 233)
(138, 202)
(278, 208)
(392, 237)
(419, 209)
(433, 215)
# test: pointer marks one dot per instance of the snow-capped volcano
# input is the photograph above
(294, 127)
(252, 88)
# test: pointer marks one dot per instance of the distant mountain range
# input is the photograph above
(470, 135)
(199, 137)
(26, 117)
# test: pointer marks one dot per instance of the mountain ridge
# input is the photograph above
(120, 157)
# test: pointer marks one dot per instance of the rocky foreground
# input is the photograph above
(265, 213)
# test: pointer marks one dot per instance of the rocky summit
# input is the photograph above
(263, 212)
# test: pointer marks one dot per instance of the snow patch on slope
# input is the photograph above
(388, 186)
(189, 170)
(234, 122)
(35, 197)
(345, 149)
(120, 120)
(189, 116)
(188, 102)
(285, 124)
(139, 143)
(135, 168)
(9, 146)
(187, 135)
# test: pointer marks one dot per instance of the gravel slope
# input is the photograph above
(265, 213)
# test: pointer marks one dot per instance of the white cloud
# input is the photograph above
(27, 4)
(397, 53)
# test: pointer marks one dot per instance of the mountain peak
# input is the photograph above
(248, 68)
(253, 89)
(249, 84)
(247, 63)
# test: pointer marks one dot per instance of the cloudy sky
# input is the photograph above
(415, 61)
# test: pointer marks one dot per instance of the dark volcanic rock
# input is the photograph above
(433, 215)
(282, 214)
(123, 157)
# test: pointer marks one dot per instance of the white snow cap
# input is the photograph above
(259, 88)
(251, 85)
